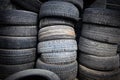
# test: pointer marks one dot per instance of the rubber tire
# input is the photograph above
(99, 63)
(17, 56)
(48, 75)
(56, 32)
(96, 48)
(89, 74)
(53, 46)
(18, 31)
(17, 42)
(7, 70)
(31, 5)
(101, 33)
(59, 9)
(59, 58)
(102, 16)
(113, 7)
(117, 2)
(54, 21)
(65, 72)
(17, 17)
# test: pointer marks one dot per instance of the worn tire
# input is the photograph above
(65, 72)
(59, 9)
(16, 57)
(17, 17)
(53, 46)
(101, 33)
(102, 16)
(56, 32)
(97, 48)
(59, 58)
(99, 63)
(31, 5)
(18, 31)
(34, 74)
(55, 21)
(7, 70)
(89, 74)
(17, 42)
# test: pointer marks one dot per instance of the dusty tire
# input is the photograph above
(99, 63)
(59, 58)
(55, 21)
(97, 48)
(53, 46)
(17, 42)
(89, 74)
(17, 17)
(101, 33)
(18, 31)
(56, 32)
(34, 74)
(7, 70)
(17, 56)
(65, 72)
(59, 9)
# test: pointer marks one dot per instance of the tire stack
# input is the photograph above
(57, 45)
(18, 33)
(98, 58)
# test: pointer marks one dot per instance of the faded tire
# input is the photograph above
(65, 72)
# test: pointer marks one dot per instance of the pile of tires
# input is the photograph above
(98, 59)
(18, 31)
(57, 45)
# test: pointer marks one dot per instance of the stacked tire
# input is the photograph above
(18, 32)
(98, 44)
(57, 45)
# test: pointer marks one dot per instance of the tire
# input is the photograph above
(59, 9)
(18, 31)
(17, 56)
(65, 72)
(34, 73)
(101, 33)
(56, 32)
(53, 46)
(17, 17)
(96, 48)
(113, 7)
(55, 21)
(102, 16)
(7, 70)
(59, 58)
(17, 42)
(32, 5)
(117, 2)
(89, 74)
(99, 63)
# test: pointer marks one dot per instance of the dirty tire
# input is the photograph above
(97, 48)
(17, 17)
(21, 31)
(53, 46)
(101, 33)
(99, 63)
(59, 9)
(7, 70)
(17, 56)
(98, 16)
(32, 73)
(59, 58)
(56, 32)
(65, 72)
(17, 42)
(55, 21)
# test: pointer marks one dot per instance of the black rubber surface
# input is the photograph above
(17, 17)
(36, 74)
(59, 9)
(65, 72)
